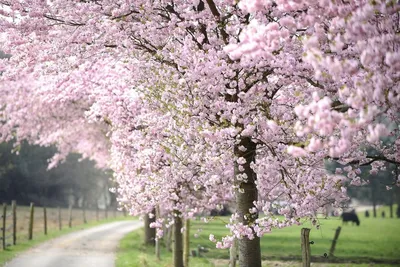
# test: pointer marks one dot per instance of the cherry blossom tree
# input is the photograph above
(200, 97)
(353, 50)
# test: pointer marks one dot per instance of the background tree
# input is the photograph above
(26, 178)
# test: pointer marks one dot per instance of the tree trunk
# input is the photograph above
(391, 203)
(178, 242)
(157, 248)
(233, 254)
(168, 238)
(373, 197)
(149, 233)
(186, 244)
(246, 195)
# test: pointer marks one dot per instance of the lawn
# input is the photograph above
(376, 240)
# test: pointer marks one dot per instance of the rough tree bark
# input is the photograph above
(249, 249)
(149, 233)
(178, 242)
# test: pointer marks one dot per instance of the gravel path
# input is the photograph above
(92, 247)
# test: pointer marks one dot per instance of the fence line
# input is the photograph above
(31, 223)
(5, 228)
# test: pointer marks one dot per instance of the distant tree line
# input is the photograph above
(24, 177)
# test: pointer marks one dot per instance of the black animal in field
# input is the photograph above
(350, 217)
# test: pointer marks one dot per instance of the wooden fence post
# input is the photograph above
(3, 228)
(45, 220)
(59, 219)
(186, 243)
(84, 215)
(97, 213)
(332, 250)
(31, 213)
(70, 216)
(14, 217)
(305, 247)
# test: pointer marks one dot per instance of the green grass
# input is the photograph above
(22, 245)
(375, 241)
(132, 252)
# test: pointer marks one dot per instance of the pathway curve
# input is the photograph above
(94, 247)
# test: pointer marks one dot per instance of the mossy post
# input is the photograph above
(59, 219)
(31, 217)
(335, 238)
(186, 244)
(305, 247)
(45, 220)
(3, 226)
(14, 218)
(70, 216)
(84, 215)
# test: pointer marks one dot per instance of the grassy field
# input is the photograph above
(376, 240)
(52, 226)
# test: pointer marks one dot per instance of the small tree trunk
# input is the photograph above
(168, 238)
(373, 196)
(391, 210)
(233, 254)
(246, 195)
(391, 203)
(374, 208)
(157, 239)
(178, 242)
(186, 245)
(149, 233)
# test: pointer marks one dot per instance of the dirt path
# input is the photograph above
(92, 247)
